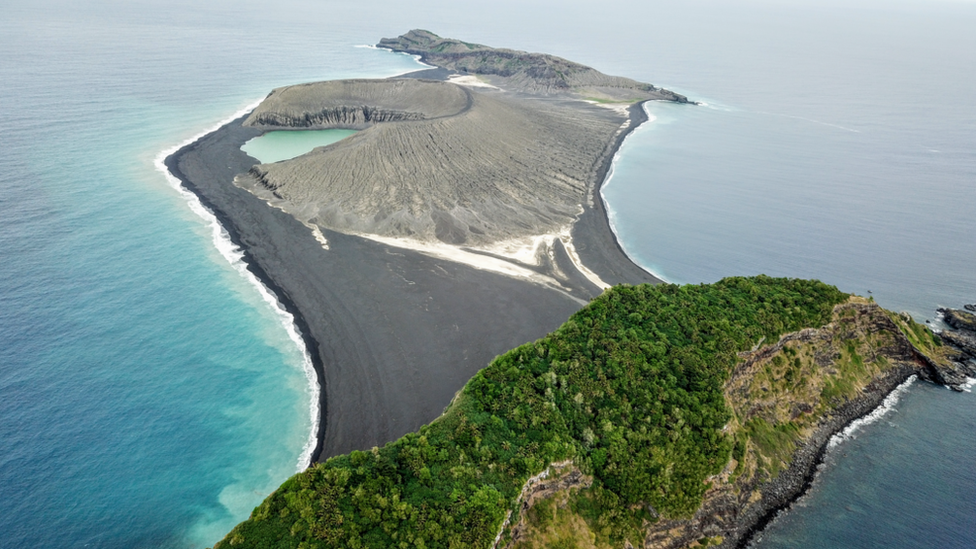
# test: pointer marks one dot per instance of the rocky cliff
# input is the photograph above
(357, 104)
(962, 338)
(788, 399)
(661, 417)
(536, 73)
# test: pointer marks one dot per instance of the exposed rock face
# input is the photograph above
(960, 320)
(789, 398)
(437, 161)
(559, 480)
(357, 104)
(965, 341)
(963, 365)
(522, 71)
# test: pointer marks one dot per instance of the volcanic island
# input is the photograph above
(464, 219)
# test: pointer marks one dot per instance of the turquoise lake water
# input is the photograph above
(282, 145)
(151, 395)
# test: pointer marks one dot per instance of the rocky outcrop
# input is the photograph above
(358, 104)
(960, 366)
(960, 320)
(558, 478)
(964, 341)
(522, 71)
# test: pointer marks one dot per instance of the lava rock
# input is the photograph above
(960, 320)
(963, 341)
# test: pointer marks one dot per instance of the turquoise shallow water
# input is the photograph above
(149, 394)
(278, 146)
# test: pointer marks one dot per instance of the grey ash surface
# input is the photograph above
(394, 333)
(435, 161)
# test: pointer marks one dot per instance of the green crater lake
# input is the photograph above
(282, 145)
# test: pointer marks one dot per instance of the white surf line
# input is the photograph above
(968, 385)
(886, 406)
(606, 206)
(235, 256)
(415, 57)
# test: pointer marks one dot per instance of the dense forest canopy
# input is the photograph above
(629, 389)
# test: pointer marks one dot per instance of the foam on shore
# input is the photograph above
(235, 257)
(887, 405)
(611, 215)
(415, 58)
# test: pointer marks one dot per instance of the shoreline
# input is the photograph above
(648, 119)
(236, 257)
(531, 310)
(171, 161)
(794, 483)
(590, 235)
(595, 218)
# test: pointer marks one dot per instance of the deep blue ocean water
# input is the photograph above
(150, 396)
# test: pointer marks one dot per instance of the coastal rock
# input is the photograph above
(970, 307)
(952, 375)
(964, 341)
(960, 320)
(515, 70)
(357, 104)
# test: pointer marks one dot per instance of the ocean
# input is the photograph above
(151, 394)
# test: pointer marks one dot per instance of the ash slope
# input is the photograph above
(436, 161)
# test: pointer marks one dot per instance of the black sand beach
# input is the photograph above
(393, 333)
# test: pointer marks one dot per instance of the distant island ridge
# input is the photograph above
(464, 219)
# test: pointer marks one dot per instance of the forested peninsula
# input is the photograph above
(656, 416)
(464, 219)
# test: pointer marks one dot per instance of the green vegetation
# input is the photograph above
(779, 398)
(630, 388)
(920, 336)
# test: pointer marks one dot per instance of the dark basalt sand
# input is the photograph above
(393, 333)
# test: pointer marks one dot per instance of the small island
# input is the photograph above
(464, 219)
